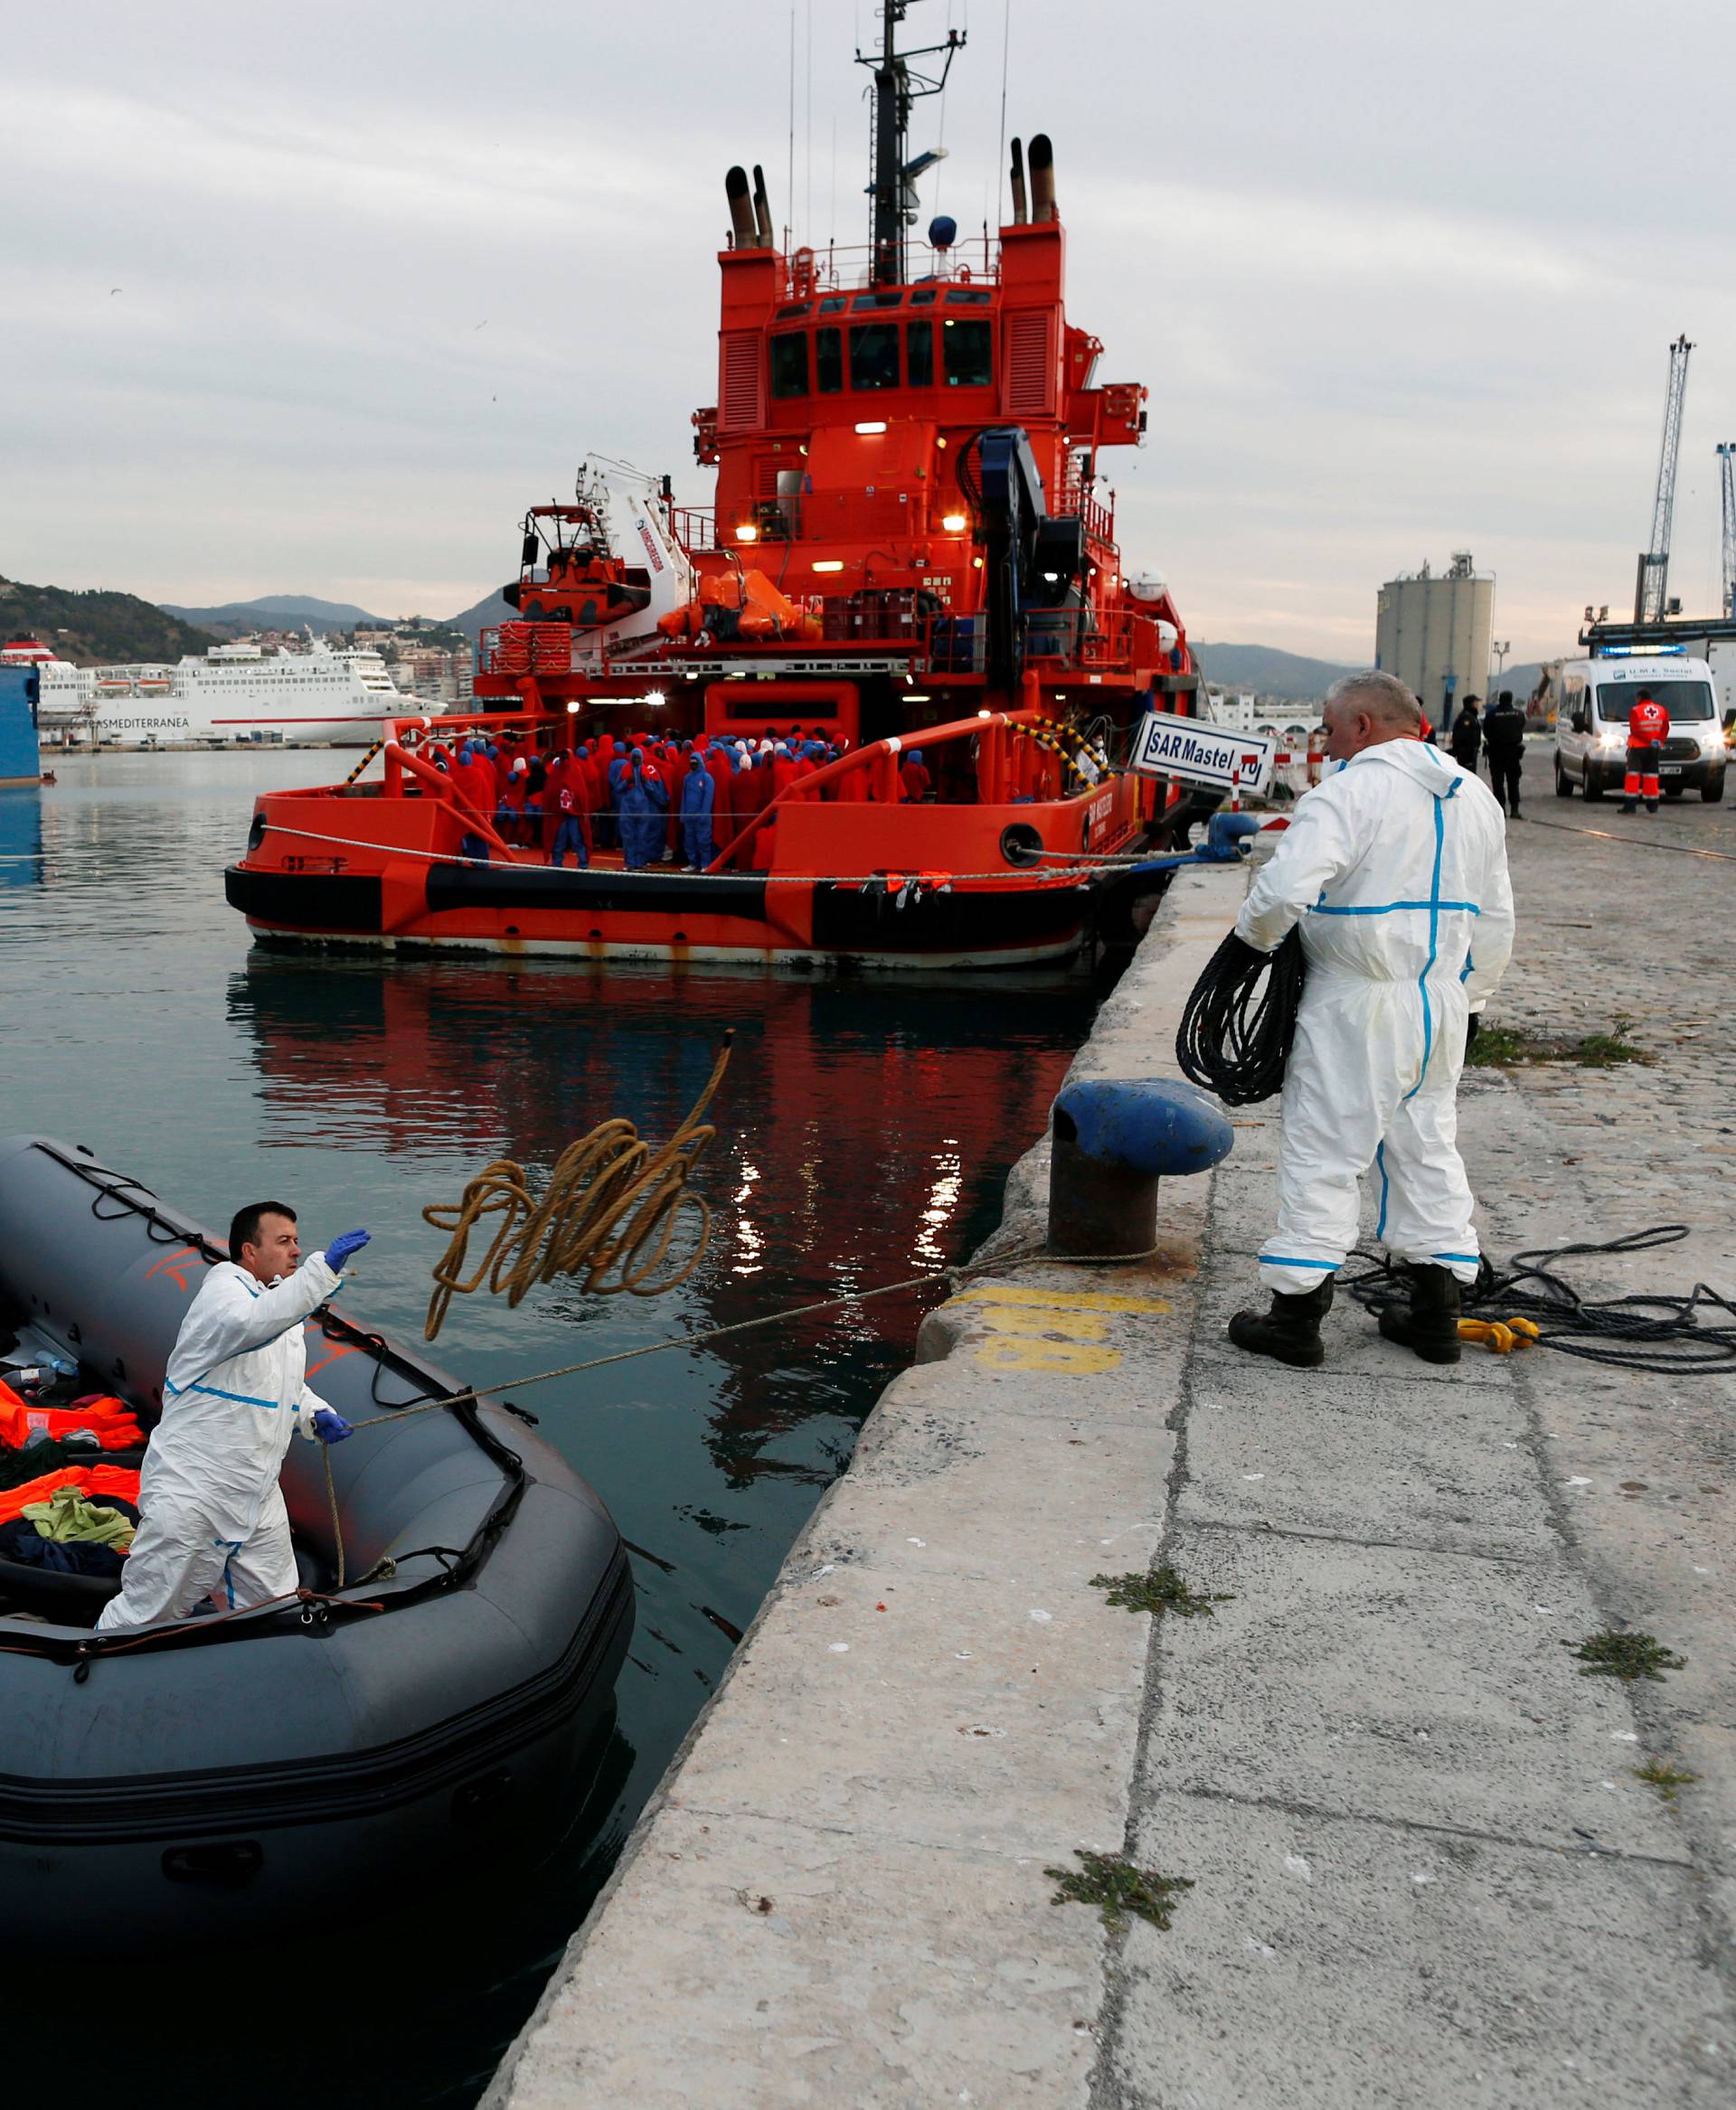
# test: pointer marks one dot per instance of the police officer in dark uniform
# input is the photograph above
(1504, 736)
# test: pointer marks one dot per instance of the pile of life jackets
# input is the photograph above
(78, 1520)
(110, 1420)
(70, 1515)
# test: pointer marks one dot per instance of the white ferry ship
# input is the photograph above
(1292, 725)
(231, 693)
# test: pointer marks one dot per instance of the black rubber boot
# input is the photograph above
(1628, 806)
(1431, 1327)
(1290, 1332)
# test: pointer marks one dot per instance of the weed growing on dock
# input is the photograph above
(1627, 1656)
(1112, 1883)
(1163, 1590)
(1511, 1046)
(1665, 1778)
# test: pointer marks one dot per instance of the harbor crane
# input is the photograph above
(1727, 480)
(1650, 604)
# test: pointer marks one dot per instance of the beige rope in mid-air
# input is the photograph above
(612, 1207)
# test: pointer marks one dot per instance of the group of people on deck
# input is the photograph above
(659, 801)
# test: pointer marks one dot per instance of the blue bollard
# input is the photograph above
(1113, 1140)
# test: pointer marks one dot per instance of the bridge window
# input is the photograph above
(828, 361)
(867, 300)
(789, 363)
(831, 305)
(969, 297)
(919, 353)
(969, 353)
(873, 355)
(923, 297)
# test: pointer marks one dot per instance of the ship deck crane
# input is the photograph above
(1650, 599)
(1727, 480)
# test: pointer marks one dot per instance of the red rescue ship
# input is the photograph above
(870, 709)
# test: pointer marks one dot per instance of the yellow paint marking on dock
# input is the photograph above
(1078, 1300)
(1020, 1353)
(1034, 1324)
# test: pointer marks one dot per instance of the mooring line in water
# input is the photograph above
(90, 1651)
(830, 1303)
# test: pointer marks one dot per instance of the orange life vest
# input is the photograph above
(111, 1421)
(91, 1481)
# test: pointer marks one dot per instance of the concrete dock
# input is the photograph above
(1424, 1868)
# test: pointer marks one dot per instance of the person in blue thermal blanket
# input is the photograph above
(642, 803)
(698, 797)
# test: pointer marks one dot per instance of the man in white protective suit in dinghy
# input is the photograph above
(213, 1522)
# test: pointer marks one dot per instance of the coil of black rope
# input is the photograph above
(1661, 1333)
(1239, 1021)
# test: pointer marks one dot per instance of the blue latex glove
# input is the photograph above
(329, 1428)
(340, 1249)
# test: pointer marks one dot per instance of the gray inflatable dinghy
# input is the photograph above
(444, 1708)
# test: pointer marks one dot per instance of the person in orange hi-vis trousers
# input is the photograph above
(1648, 727)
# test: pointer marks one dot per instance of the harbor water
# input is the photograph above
(865, 1128)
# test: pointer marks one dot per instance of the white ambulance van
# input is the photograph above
(1591, 724)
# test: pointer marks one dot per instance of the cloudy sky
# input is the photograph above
(1400, 279)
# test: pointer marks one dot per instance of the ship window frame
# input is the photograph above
(921, 328)
(969, 297)
(864, 302)
(924, 297)
(833, 366)
(786, 314)
(788, 385)
(834, 304)
(862, 368)
(980, 372)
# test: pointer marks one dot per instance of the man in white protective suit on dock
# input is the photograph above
(1395, 867)
(213, 1522)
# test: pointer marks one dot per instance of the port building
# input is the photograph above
(1435, 631)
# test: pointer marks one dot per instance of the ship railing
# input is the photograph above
(1080, 502)
(1078, 638)
(1005, 762)
(695, 527)
(974, 260)
(875, 624)
(401, 763)
(881, 629)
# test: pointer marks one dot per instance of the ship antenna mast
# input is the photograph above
(896, 87)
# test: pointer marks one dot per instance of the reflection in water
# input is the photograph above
(865, 1130)
(848, 1121)
(20, 835)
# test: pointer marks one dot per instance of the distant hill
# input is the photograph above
(278, 611)
(484, 615)
(94, 629)
(1267, 671)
